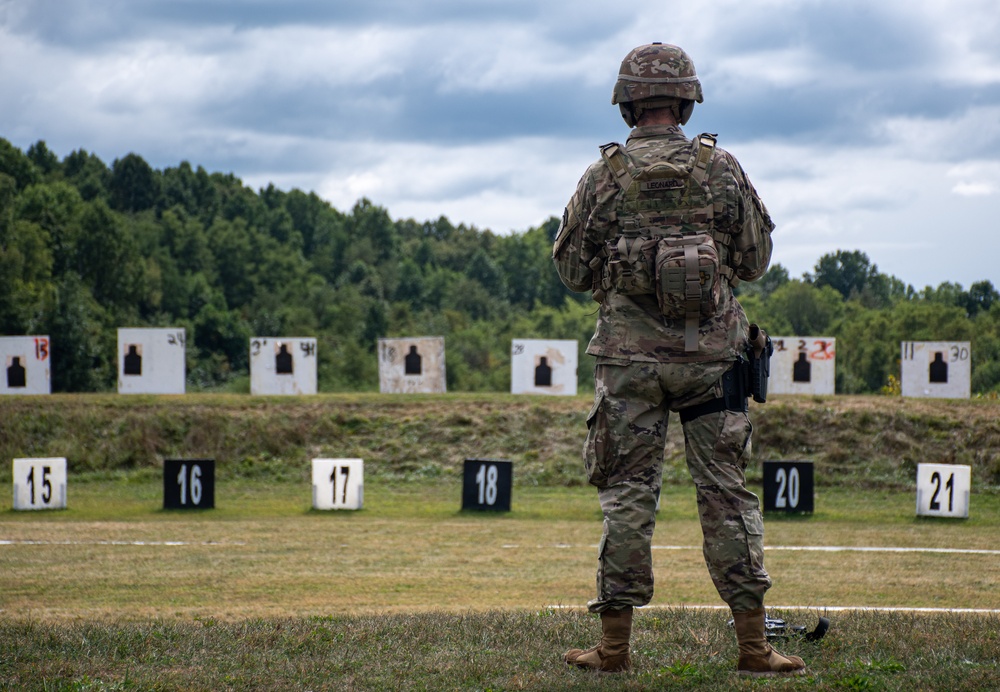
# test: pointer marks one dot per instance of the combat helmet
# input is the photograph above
(654, 76)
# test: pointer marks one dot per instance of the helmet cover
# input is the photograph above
(656, 70)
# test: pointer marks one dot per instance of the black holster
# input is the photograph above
(746, 378)
(758, 355)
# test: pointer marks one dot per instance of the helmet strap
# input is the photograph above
(685, 110)
(681, 108)
(628, 113)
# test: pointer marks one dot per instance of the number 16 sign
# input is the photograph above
(188, 484)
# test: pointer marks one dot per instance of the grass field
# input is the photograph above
(263, 552)
(411, 593)
(265, 593)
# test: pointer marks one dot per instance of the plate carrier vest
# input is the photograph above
(668, 244)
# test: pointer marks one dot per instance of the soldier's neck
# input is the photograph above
(657, 116)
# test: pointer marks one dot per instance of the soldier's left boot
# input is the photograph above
(611, 655)
(757, 658)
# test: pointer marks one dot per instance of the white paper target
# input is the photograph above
(151, 361)
(26, 365)
(338, 483)
(543, 366)
(803, 365)
(411, 366)
(936, 369)
(39, 483)
(282, 366)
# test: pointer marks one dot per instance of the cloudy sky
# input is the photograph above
(871, 126)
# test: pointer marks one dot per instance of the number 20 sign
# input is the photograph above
(943, 490)
(788, 486)
(338, 483)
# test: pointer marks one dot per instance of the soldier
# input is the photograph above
(661, 230)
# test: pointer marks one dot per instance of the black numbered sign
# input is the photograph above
(486, 484)
(788, 486)
(188, 483)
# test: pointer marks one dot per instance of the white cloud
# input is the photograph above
(967, 189)
(279, 102)
(503, 186)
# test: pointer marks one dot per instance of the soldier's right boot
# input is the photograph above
(611, 655)
(757, 658)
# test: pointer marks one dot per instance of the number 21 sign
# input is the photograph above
(943, 490)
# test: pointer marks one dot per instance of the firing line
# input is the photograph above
(122, 543)
(813, 608)
(799, 548)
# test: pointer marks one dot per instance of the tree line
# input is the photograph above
(86, 248)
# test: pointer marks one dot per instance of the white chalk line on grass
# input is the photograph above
(558, 546)
(801, 548)
(820, 609)
(119, 543)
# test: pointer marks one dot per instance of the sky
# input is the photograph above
(871, 126)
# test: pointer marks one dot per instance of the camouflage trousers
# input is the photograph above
(627, 429)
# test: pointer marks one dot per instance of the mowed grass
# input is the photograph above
(673, 649)
(263, 552)
(411, 593)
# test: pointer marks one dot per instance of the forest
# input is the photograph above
(87, 247)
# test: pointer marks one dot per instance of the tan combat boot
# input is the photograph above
(611, 655)
(757, 658)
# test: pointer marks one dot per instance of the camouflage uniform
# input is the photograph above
(643, 371)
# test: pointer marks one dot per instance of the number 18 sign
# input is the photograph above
(943, 490)
(486, 484)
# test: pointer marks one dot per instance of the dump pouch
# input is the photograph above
(687, 276)
(629, 267)
(758, 354)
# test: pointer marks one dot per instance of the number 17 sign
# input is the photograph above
(338, 483)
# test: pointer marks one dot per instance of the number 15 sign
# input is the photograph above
(40, 483)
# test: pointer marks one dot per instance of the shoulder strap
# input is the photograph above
(614, 157)
(704, 148)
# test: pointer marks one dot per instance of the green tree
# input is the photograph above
(134, 185)
(82, 342)
(231, 244)
(106, 256)
(845, 272)
(56, 208)
(775, 277)
(808, 310)
(982, 297)
(43, 159)
(17, 165)
(87, 173)
(484, 270)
